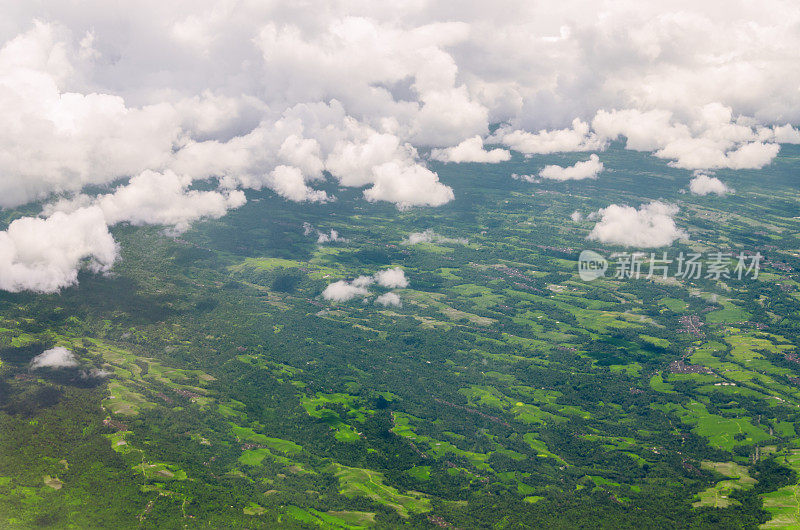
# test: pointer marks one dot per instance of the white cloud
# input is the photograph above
(703, 185)
(785, 134)
(588, 169)
(652, 225)
(342, 291)
(288, 182)
(57, 357)
(322, 237)
(576, 216)
(532, 179)
(332, 237)
(643, 130)
(392, 278)
(408, 186)
(429, 236)
(263, 95)
(471, 150)
(578, 138)
(157, 198)
(98, 373)
(364, 281)
(45, 255)
(714, 139)
(53, 140)
(752, 155)
(389, 299)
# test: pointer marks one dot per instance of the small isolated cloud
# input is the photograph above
(332, 237)
(471, 150)
(652, 225)
(705, 185)
(96, 373)
(532, 179)
(364, 281)
(407, 186)
(576, 216)
(342, 291)
(588, 169)
(389, 299)
(322, 237)
(57, 357)
(429, 236)
(392, 278)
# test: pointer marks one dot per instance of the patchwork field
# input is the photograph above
(216, 386)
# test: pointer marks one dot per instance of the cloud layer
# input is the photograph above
(152, 103)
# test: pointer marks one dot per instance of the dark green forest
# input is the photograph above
(217, 388)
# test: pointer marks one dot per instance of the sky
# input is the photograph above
(145, 100)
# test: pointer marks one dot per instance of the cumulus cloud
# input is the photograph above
(703, 185)
(652, 225)
(429, 236)
(408, 186)
(54, 140)
(342, 291)
(57, 357)
(288, 182)
(389, 299)
(588, 169)
(785, 134)
(323, 237)
(96, 373)
(392, 278)
(45, 255)
(261, 95)
(577, 138)
(471, 150)
(576, 216)
(713, 139)
(331, 237)
(157, 198)
(364, 281)
(531, 179)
